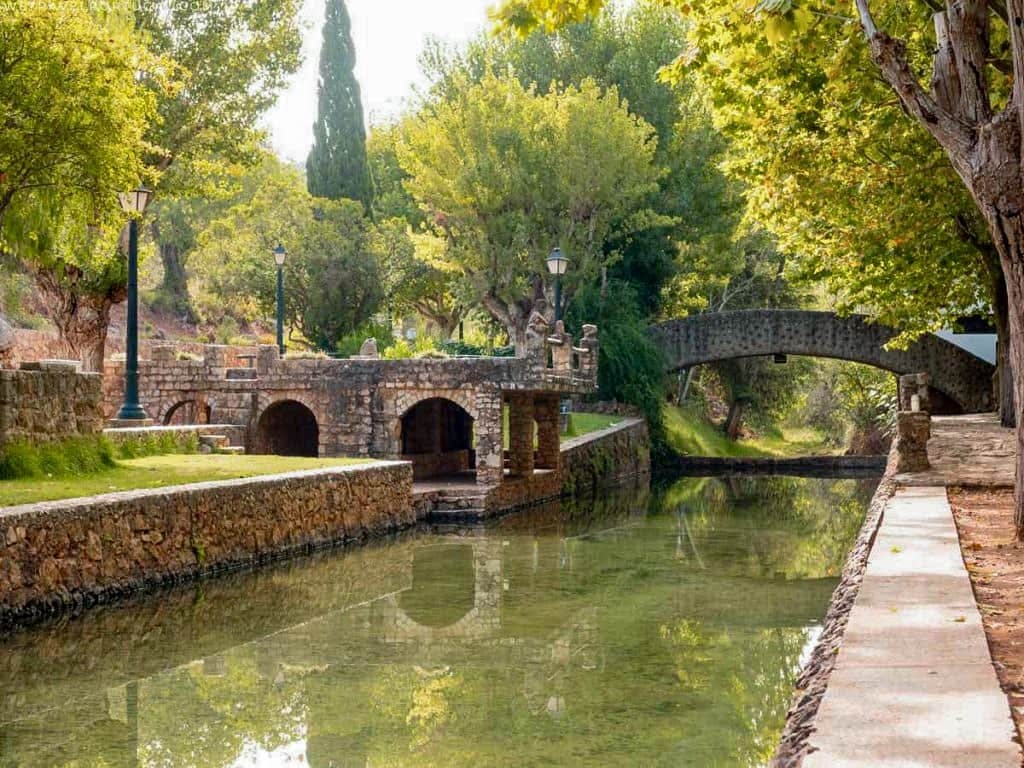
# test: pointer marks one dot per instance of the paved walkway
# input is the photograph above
(914, 685)
(973, 451)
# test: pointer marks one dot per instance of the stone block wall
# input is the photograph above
(611, 456)
(33, 345)
(65, 553)
(50, 402)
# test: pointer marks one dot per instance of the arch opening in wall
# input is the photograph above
(437, 437)
(187, 412)
(288, 428)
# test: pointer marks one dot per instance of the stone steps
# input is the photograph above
(219, 444)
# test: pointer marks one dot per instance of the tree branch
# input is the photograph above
(955, 135)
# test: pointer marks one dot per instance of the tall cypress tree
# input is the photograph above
(336, 166)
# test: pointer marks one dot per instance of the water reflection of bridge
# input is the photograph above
(423, 603)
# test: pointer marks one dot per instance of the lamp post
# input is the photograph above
(280, 254)
(557, 264)
(134, 204)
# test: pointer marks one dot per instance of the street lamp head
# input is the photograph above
(280, 254)
(557, 262)
(135, 201)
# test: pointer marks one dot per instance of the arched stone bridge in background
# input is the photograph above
(962, 377)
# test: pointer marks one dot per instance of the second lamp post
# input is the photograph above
(134, 204)
(280, 254)
(557, 265)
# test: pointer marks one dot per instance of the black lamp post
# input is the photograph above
(280, 254)
(134, 204)
(557, 265)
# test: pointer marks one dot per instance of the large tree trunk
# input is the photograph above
(174, 285)
(1004, 370)
(1007, 225)
(81, 316)
(734, 421)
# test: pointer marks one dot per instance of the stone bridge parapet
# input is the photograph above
(962, 377)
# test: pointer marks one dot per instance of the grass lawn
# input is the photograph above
(157, 472)
(693, 436)
(583, 423)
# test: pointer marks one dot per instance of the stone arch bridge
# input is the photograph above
(963, 378)
(490, 422)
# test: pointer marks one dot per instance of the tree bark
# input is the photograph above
(1007, 225)
(174, 285)
(734, 421)
(1004, 369)
(81, 316)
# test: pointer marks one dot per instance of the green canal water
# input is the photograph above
(643, 629)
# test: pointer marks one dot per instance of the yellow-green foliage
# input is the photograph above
(157, 444)
(74, 456)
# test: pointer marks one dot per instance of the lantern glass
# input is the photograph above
(135, 201)
(557, 262)
(280, 254)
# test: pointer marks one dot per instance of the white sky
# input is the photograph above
(389, 36)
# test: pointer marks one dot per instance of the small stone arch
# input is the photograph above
(288, 428)
(436, 435)
(185, 412)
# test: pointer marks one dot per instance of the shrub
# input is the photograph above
(62, 458)
(457, 348)
(157, 444)
(630, 367)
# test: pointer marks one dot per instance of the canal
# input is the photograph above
(641, 629)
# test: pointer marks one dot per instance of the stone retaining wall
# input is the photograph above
(61, 554)
(235, 434)
(51, 402)
(611, 456)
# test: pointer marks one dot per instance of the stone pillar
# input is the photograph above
(490, 438)
(915, 384)
(267, 356)
(588, 352)
(913, 429)
(561, 349)
(520, 420)
(545, 411)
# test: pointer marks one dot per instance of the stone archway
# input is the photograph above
(288, 428)
(964, 379)
(186, 412)
(437, 437)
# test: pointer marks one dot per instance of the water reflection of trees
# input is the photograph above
(644, 634)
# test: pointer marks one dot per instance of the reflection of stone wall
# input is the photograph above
(62, 553)
(608, 457)
(51, 403)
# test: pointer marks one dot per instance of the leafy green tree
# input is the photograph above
(74, 115)
(229, 60)
(62, 158)
(975, 90)
(337, 165)
(630, 366)
(505, 174)
(333, 278)
(625, 50)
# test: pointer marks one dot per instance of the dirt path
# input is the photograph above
(984, 519)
